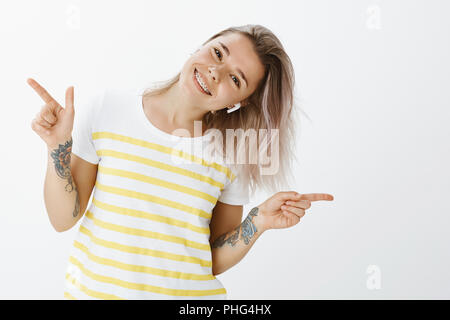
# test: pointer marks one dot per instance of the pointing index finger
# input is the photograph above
(41, 91)
(316, 196)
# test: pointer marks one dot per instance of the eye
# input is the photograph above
(237, 83)
(219, 55)
(216, 50)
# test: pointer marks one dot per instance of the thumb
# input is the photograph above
(69, 99)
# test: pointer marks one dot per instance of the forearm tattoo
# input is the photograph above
(246, 229)
(61, 159)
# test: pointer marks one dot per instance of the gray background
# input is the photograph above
(373, 77)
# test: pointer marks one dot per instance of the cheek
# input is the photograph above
(226, 94)
(202, 57)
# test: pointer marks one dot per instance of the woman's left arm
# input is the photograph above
(282, 210)
(230, 247)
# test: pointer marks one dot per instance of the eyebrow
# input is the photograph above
(227, 51)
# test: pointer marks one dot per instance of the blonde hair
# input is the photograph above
(271, 106)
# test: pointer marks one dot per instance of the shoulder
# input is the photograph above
(236, 190)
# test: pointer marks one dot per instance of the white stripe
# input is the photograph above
(128, 293)
(146, 224)
(156, 190)
(145, 242)
(141, 204)
(141, 277)
(137, 258)
(167, 174)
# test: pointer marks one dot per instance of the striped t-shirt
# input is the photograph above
(145, 233)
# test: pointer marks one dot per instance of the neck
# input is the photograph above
(178, 109)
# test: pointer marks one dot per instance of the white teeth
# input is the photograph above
(202, 84)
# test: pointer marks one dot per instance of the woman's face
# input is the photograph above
(229, 68)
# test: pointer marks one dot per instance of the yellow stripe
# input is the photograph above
(143, 269)
(144, 251)
(155, 199)
(89, 292)
(147, 234)
(163, 149)
(157, 182)
(160, 165)
(149, 216)
(142, 286)
(69, 296)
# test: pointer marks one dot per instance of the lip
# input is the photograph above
(197, 84)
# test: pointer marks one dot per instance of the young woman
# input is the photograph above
(164, 218)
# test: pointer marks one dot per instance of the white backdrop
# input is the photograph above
(373, 77)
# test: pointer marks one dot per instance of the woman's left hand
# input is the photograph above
(285, 209)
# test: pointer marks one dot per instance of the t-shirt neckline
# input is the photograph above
(158, 131)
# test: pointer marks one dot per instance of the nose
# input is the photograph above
(213, 72)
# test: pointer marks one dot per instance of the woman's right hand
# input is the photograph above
(53, 123)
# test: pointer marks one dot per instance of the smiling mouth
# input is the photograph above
(198, 85)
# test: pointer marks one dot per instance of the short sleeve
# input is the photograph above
(235, 193)
(86, 114)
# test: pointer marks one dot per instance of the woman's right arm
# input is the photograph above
(68, 186)
(69, 179)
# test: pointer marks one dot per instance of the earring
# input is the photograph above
(236, 106)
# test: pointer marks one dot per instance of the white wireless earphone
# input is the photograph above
(236, 106)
